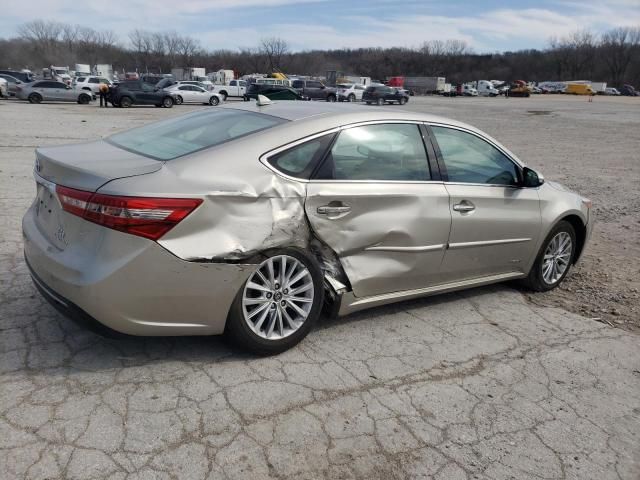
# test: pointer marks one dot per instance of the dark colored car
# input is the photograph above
(25, 77)
(381, 94)
(629, 91)
(272, 92)
(154, 79)
(137, 92)
(315, 90)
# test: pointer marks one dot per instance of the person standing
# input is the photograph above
(104, 94)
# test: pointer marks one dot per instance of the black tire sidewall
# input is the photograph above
(34, 98)
(125, 102)
(167, 102)
(535, 279)
(213, 101)
(239, 332)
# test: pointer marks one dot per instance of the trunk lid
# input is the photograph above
(88, 166)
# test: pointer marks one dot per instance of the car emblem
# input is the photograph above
(38, 167)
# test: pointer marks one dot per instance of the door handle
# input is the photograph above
(333, 210)
(464, 206)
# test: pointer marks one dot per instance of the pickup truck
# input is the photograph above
(315, 90)
(236, 88)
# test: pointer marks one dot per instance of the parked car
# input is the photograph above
(314, 90)
(52, 91)
(185, 93)
(629, 91)
(145, 233)
(611, 91)
(382, 94)
(272, 92)
(138, 92)
(4, 88)
(207, 85)
(24, 77)
(469, 91)
(12, 83)
(350, 92)
(91, 83)
(235, 88)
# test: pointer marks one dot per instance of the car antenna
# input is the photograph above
(262, 101)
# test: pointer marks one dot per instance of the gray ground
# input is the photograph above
(483, 384)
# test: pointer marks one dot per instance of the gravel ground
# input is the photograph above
(483, 384)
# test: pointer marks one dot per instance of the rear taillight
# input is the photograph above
(143, 216)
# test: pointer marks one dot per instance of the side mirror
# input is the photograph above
(531, 178)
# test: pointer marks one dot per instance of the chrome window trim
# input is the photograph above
(264, 158)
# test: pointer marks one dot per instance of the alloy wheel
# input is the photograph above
(278, 297)
(557, 257)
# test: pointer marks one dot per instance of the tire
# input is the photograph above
(254, 313)
(402, 101)
(84, 99)
(213, 101)
(126, 102)
(380, 102)
(542, 278)
(351, 98)
(331, 98)
(167, 102)
(224, 95)
(179, 100)
(35, 98)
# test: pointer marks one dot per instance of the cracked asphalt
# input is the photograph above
(480, 384)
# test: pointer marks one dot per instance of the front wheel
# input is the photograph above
(84, 99)
(402, 101)
(352, 98)
(278, 304)
(167, 102)
(214, 100)
(179, 100)
(554, 259)
(331, 98)
(380, 102)
(126, 102)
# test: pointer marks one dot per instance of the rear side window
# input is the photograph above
(377, 152)
(299, 161)
(94, 80)
(80, 79)
(180, 136)
(297, 84)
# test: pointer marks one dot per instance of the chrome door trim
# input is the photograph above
(419, 248)
(486, 243)
(350, 303)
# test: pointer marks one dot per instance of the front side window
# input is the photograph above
(299, 161)
(314, 84)
(80, 79)
(378, 152)
(298, 84)
(469, 159)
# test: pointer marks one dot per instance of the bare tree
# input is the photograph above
(617, 48)
(274, 49)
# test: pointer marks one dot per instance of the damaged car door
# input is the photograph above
(380, 205)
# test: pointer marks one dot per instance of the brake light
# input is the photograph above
(143, 216)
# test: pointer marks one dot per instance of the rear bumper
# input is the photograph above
(131, 285)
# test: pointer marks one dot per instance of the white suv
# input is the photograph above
(350, 92)
(90, 83)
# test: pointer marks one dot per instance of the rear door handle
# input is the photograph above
(464, 206)
(333, 210)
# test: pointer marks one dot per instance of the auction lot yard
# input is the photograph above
(491, 383)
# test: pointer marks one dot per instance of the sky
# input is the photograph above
(486, 25)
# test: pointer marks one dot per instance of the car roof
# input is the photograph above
(336, 114)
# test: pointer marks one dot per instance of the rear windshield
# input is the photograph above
(180, 136)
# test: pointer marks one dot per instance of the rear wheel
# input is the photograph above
(214, 100)
(84, 99)
(402, 101)
(126, 102)
(179, 100)
(554, 259)
(35, 98)
(352, 98)
(167, 102)
(380, 102)
(278, 304)
(331, 98)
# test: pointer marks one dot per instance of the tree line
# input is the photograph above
(612, 57)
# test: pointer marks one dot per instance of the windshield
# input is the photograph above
(180, 136)
(60, 71)
(343, 86)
